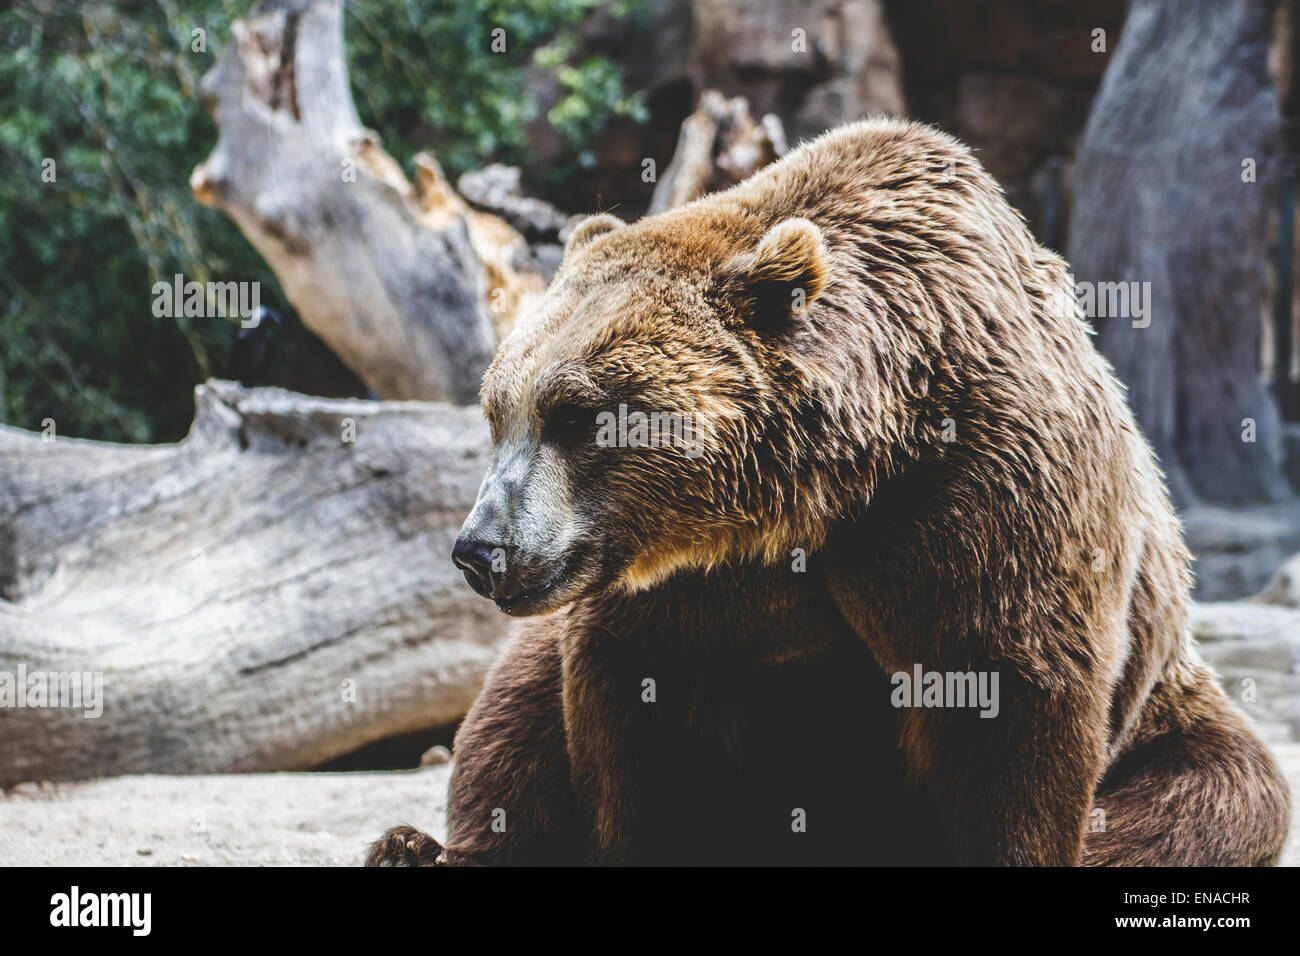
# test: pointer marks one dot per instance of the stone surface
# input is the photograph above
(1015, 80)
(1239, 550)
(815, 65)
(1186, 97)
(1256, 650)
(1284, 587)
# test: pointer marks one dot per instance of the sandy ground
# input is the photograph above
(1288, 755)
(276, 819)
(272, 819)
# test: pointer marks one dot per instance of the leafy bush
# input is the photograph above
(106, 90)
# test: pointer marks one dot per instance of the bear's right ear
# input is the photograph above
(787, 270)
(589, 229)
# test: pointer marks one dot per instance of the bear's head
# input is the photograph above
(675, 402)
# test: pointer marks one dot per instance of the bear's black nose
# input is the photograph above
(482, 562)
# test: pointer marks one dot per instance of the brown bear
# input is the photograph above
(905, 461)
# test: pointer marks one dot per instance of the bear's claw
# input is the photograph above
(405, 846)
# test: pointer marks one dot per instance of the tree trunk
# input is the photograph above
(271, 592)
(1160, 198)
(403, 282)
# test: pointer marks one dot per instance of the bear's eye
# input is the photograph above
(569, 422)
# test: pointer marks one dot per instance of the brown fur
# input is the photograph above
(1039, 544)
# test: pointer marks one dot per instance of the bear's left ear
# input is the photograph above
(590, 228)
(779, 280)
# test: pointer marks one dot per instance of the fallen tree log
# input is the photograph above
(404, 282)
(719, 145)
(269, 593)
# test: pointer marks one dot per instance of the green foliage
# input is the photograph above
(107, 91)
(593, 92)
(434, 70)
(110, 101)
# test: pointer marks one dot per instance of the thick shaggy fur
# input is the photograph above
(1037, 542)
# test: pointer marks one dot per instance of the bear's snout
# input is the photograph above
(483, 563)
(520, 584)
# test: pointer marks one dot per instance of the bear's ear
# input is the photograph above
(587, 230)
(779, 280)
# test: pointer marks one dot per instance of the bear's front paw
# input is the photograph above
(405, 846)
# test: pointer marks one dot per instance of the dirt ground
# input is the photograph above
(276, 819)
(272, 819)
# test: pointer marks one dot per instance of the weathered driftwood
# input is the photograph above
(269, 593)
(498, 189)
(403, 281)
(719, 145)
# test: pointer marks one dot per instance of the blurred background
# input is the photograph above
(268, 588)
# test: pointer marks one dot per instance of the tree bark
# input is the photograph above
(1160, 199)
(405, 283)
(271, 592)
